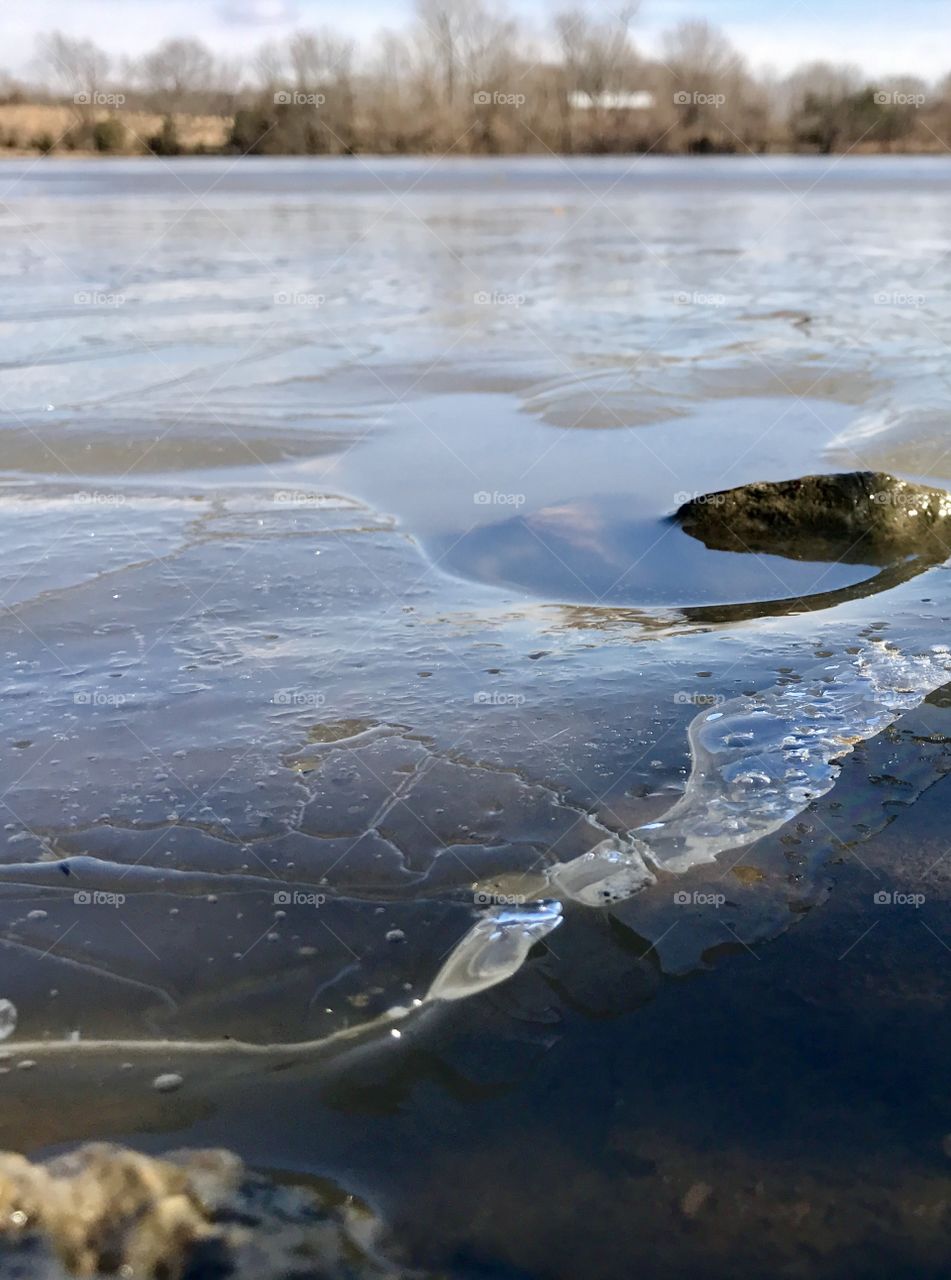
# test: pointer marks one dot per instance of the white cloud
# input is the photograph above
(880, 51)
(257, 13)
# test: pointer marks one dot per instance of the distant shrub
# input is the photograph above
(108, 134)
(269, 129)
(251, 131)
(166, 142)
(44, 143)
(834, 122)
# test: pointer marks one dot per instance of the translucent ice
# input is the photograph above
(757, 762)
(8, 1019)
(493, 949)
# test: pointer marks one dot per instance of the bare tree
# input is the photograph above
(178, 75)
(820, 101)
(596, 53)
(305, 101)
(320, 59)
(465, 55)
(598, 58)
(700, 56)
(392, 94)
(463, 45)
(715, 100)
(77, 68)
(820, 80)
(320, 65)
(440, 26)
(270, 66)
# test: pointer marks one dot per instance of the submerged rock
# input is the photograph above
(694, 1200)
(104, 1210)
(859, 517)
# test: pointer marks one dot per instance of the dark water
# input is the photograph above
(343, 608)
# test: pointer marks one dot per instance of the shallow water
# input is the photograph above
(344, 618)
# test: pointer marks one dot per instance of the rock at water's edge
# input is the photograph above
(859, 517)
(104, 1210)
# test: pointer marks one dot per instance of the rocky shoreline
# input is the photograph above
(104, 1210)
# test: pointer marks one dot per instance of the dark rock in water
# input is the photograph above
(103, 1210)
(695, 1199)
(860, 517)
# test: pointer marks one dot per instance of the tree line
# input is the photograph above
(466, 77)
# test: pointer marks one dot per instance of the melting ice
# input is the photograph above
(757, 762)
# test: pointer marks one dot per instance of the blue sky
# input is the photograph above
(884, 36)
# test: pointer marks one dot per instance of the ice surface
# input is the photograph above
(494, 949)
(263, 731)
(756, 762)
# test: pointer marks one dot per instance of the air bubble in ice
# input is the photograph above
(168, 1083)
(8, 1019)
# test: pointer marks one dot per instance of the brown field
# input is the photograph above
(23, 126)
